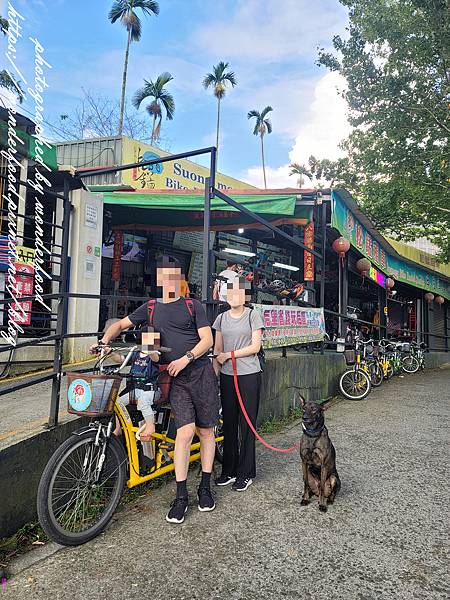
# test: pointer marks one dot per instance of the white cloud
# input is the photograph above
(323, 126)
(271, 30)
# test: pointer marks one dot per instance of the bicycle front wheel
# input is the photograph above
(410, 364)
(355, 385)
(80, 488)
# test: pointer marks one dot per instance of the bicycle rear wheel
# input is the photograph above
(410, 364)
(355, 385)
(376, 373)
(78, 493)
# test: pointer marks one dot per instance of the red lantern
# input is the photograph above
(341, 246)
(363, 265)
(429, 297)
(390, 283)
(440, 300)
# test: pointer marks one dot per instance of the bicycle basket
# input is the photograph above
(92, 395)
(350, 357)
(405, 347)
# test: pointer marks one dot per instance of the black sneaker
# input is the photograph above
(178, 509)
(242, 484)
(225, 480)
(205, 499)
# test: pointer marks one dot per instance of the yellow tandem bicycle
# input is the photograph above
(84, 480)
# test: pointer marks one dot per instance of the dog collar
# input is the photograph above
(312, 431)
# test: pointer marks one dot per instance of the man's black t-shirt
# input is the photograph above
(178, 330)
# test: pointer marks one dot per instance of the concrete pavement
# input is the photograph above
(386, 538)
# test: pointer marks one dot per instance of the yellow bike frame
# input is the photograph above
(162, 457)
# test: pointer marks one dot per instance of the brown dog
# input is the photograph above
(318, 458)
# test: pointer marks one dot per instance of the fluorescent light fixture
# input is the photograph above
(288, 267)
(240, 252)
(241, 230)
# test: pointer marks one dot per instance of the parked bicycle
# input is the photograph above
(84, 480)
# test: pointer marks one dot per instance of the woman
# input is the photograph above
(239, 329)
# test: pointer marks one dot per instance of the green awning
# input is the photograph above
(135, 210)
(274, 205)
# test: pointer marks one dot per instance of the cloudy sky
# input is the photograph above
(271, 45)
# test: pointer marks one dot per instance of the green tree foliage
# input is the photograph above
(396, 61)
(6, 81)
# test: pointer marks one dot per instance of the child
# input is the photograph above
(145, 391)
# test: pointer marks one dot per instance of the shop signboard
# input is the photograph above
(117, 255)
(377, 276)
(174, 175)
(289, 325)
(350, 227)
(308, 259)
(24, 285)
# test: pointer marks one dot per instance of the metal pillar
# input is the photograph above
(61, 313)
(323, 252)
(206, 277)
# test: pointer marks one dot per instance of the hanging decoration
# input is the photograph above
(429, 297)
(389, 283)
(440, 299)
(363, 265)
(341, 246)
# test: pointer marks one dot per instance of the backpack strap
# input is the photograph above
(151, 310)
(190, 306)
(152, 303)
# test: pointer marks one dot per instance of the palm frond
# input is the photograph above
(256, 128)
(162, 80)
(169, 104)
(133, 24)
(231, 78)
(142, 93)
(4, 25)
(208, 80)
(266, 111)
(253, 113)
(7, 82)
(268, 125)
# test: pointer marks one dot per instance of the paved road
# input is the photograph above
(386, 538)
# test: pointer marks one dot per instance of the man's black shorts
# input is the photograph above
(194, 397)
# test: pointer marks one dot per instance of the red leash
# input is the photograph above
(247, 418)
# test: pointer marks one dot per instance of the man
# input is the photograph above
(230, 274)
(194, 393)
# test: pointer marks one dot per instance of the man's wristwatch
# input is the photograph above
(190, 356)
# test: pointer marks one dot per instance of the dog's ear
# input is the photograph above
(302, 401)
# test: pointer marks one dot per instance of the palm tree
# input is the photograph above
(125, 10)
(301, 171)
(262, 126)
(218, 80)
(6, 81)
(160, 98)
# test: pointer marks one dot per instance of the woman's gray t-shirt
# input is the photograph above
(237, 334)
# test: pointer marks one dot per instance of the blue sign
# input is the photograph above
(158, 168)
(79, 394)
